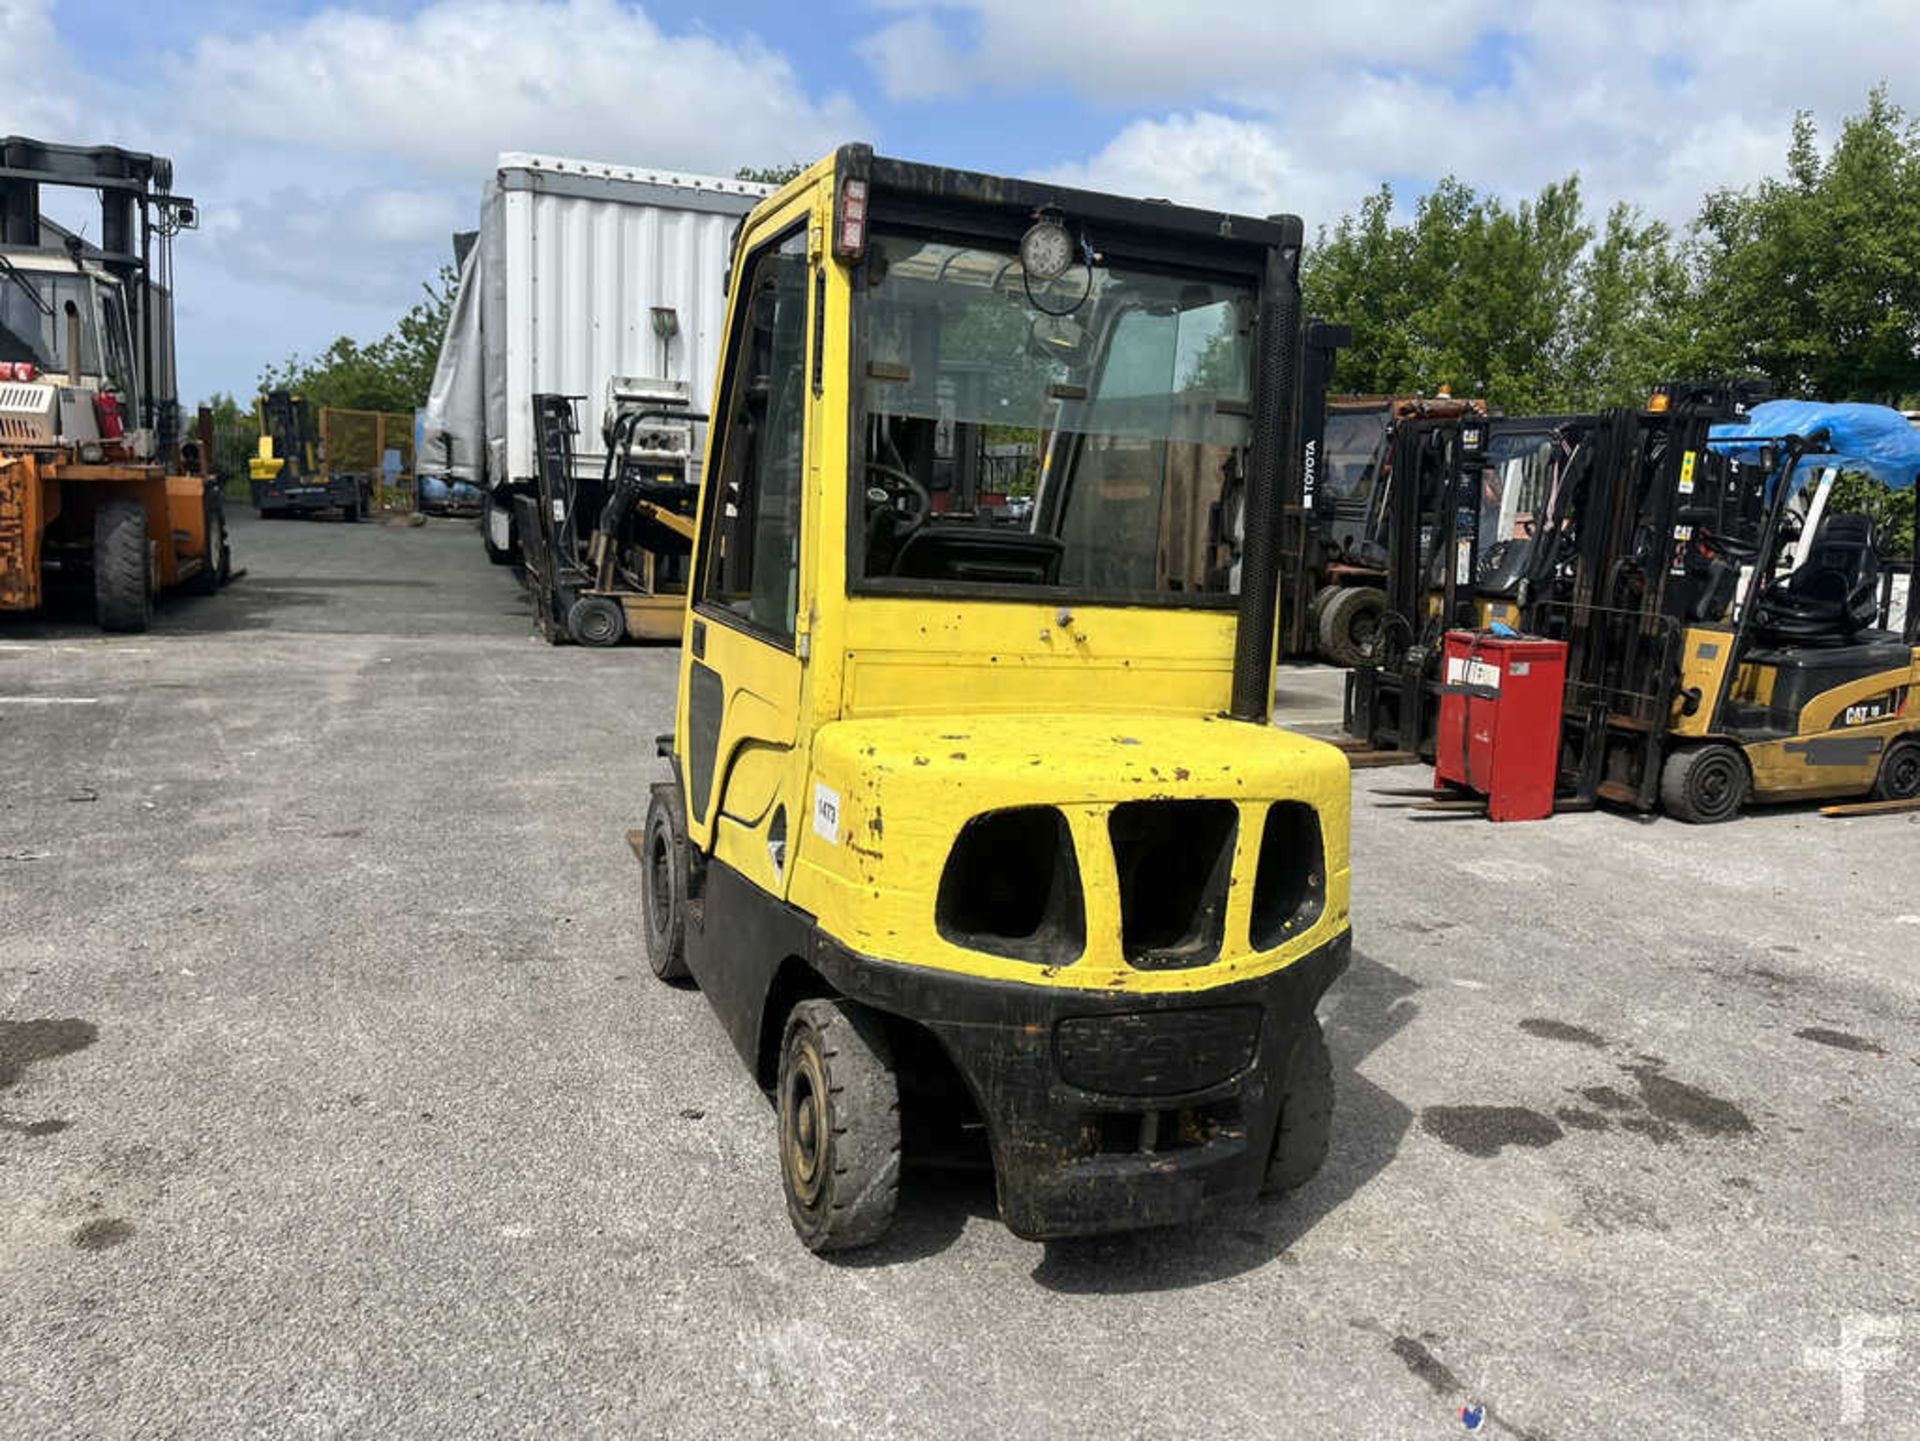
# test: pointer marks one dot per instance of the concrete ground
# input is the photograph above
(336, 1097)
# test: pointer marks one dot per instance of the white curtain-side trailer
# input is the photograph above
(580, 272)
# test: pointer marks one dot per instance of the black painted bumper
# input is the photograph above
(1109, 1111)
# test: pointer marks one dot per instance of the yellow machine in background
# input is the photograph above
(975, 811)
(94, 484)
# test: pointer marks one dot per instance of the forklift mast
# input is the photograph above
(139, 216)
(286, 420)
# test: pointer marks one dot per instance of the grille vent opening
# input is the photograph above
(1290, 882)
(1011, 888)
(1174, 860)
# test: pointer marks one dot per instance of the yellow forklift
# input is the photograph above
(975, 811)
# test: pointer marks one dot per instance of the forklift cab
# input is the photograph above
(975, 815)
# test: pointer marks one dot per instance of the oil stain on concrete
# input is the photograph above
(103, 1234)
(1699, 1111)
(1840, 1040)
(24, 1042)
(1483, 1130)
(1551, 1030)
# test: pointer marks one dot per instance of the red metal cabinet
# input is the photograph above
(1499, 729)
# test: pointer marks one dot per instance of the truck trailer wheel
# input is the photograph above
(1704, 785)
(498, 554)
(122, 567)
(596, 620)
(664, 898)
(1349, 628)
(839, 1109)
(1899, 778)
(1306, 1112)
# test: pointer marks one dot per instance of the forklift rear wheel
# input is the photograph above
(1306, 1112)
(665, 898)
(1349, 628)
(596, 620)
(839, 1125)
(1899, 778)
(350, 512)
(122, 567)
(1704, 785)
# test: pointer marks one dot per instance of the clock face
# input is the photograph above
(1046, 251)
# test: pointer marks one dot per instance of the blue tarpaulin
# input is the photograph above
(1871, 438)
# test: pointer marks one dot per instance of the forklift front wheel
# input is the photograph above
(1306, 1112)
(839, 1125)
(122, 567)
(1704, 785)
(1899, 778)
(664, 898)
(596, 620)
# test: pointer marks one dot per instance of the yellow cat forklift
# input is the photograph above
(977, 809)
(1797, 689)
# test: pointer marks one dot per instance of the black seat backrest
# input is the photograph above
(1830, 597)
(988, 554)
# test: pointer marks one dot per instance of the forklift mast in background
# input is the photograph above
(1299, 560)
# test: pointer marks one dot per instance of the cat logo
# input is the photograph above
(1868, 711)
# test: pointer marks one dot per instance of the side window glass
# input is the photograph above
(752, 563)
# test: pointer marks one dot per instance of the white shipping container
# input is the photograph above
(560, 292)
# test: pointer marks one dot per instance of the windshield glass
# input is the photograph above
(1356, 442)
(1088, 433)
(33, 318)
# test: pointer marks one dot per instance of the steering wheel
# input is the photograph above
(902, 486)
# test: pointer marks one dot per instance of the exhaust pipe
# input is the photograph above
(73, 343)
(1274, 456)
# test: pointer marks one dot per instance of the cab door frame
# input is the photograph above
(739, 714)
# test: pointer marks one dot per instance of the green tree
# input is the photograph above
(391, 373)
(770, 174)
(1814, 279)
(1469, 292)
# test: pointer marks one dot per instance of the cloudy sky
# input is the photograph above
(334, 148)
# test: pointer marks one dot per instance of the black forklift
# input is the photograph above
(606, 556)
(1474, 524)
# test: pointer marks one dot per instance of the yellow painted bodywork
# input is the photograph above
(1785, 766)
(909, 716)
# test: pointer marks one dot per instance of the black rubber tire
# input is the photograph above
(1349, 627)
(1899, 776)
(350, 512)
(1315, 608)
(663, 889)
(1306, 1112)
(596, 620)
(838, 1105)
(1705, 784)
(122, 567)
(219, 567)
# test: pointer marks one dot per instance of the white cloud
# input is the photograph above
(1205, 158)
(1143, 51)
(451, 85)
(1654, 106)
(334, 155)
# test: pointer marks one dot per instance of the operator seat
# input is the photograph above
(1830, 598)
